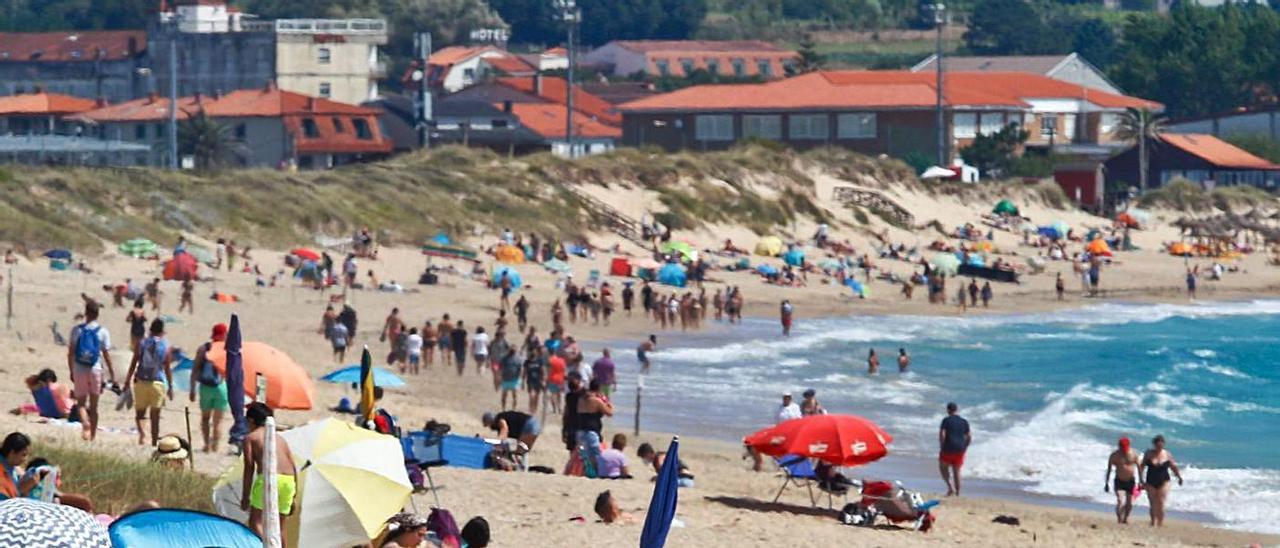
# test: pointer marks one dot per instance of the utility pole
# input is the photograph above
(173, 93)
(939, 20)
(422, 43)
(571, 16)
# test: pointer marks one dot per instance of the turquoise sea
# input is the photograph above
(1047, 394)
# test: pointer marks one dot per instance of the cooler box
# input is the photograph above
(620, 266)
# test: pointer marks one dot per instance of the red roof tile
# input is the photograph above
(273, 101)
(80, 45)
(1216, 151)
(548, 121)
(700, 46)
(146, 109)
(510, 64)
(882, 90)
(45, 103)
(553, 90)
(455, 54)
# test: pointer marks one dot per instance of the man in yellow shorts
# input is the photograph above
(252, 487)
(151, 358)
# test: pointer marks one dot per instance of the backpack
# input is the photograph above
(208, 375)
(88, 346)
(153, 351)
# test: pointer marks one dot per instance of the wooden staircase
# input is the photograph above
(617, 222)
(874, 200)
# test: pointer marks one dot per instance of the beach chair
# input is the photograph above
(797, 473)
(424, 451)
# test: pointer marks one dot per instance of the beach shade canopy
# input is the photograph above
(433, 249)
(288, 385)
(662, 506)
(1099, 247)
(556, 265)
(858, 288)
(1128, 220)
(441, 239)
(305, 254)
(1181, 249)
(766, 269)
(683, 249)
(769, 246)
(182, 266)
(512, 274)
(27, 523)
(179, 528)
(381, 376)
(355, 481)
(138, 247)
(1005, 207)
(61, 254)
(842, 440)
(946, 263)
(794, 256)
(509, 254)
(672, 274)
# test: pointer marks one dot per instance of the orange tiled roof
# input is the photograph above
(548, 121)
(79, 45)
(1216, 151)
(553, 90)
(510, 64)
(455, 54)
(45, 103)
(700, 46)
(272, 101)
(881, 90)
(146, 109)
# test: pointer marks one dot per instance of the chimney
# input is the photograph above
(508, 106)
(537, 83)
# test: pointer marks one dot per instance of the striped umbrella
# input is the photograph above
(25, 523)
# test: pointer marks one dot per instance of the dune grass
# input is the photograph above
(115, 484)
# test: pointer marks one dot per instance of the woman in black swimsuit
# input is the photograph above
(1154, 468)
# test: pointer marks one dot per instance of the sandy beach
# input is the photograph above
(729, 506)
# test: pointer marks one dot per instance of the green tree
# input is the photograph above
(449, 22)
(1012, 27)
(994, 153)
(301, 9)
(209, 141)
(1258, 145)
(1095, 40)
(809, 59)
(1143, 128)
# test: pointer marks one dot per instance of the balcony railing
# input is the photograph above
(318, 26)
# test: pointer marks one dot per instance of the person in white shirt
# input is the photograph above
(480, 349)
(788, 410)
(413, 347)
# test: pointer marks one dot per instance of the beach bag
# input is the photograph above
(445, 528)
(208, 374)
(88, 346)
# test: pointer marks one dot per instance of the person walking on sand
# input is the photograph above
(1191, 284)
(391, 328)
(535, 375)
(137, 319)
(522, 313)
(785, 312)
(153, 293)
(873, 363)
(1154, 470)
(479, 349)
(444, 334)
(904, 361)
(973, 292)
(954, 438)
(1125, 461)
(606, 372)
(642, 352)
(413, 344)
(252, 482)
(152, 358)
(960, 297)
(1060, 287)
(186, 301)
(88, 350)
(212, 389)
(458, 342)
(986, 294)
(340, 339)
(505, 285)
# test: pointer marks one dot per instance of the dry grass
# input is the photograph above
(116, 484)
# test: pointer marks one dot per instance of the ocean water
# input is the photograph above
(1047, 395)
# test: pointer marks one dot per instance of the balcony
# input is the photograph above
(360, 27)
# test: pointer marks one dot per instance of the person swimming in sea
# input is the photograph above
(904, 361)
(873, 363)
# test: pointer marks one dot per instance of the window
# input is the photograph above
(964, 125)
(1068, 132)
(991, 123)
(338, 126)
(468, 75)
(1048, 125)
(739, 68)
(713, 127)
(664, 68)
(325, 56)
(861, 125)
(161, 130)
(713, 66)
(765, 67)
(309, 128)
(362, 129)
(498, 124)
(326, 90)
(241, 132)
(687, 65)
(1108, 123)
(808, 126)
(764, 126)
(140, 132)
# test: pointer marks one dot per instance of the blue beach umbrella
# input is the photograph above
(662, 507)
(235, 382)
(794, 257)
(381, 376)
(441, 239)
(178, 528)
(512, 274)
(672, 274)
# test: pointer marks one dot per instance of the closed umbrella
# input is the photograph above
(233, 372)
(381, 376)
(946, 263)
(842, 440)
(28, 523)
(179, 528)
(288, 384)
(367, 385)
(662, 506)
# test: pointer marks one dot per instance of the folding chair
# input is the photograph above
(798, 472)
(424, 450)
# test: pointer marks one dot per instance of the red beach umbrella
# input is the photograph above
(842, 440)
(305, 254)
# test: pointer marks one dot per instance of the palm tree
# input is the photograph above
(209, 141)
(1138, 126)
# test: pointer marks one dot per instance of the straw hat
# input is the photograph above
(169, 448)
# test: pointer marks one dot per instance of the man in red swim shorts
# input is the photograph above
(954, 439)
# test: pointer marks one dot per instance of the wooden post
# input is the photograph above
(191, 455)
(639, 389)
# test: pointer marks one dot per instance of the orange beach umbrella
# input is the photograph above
(288, 384)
